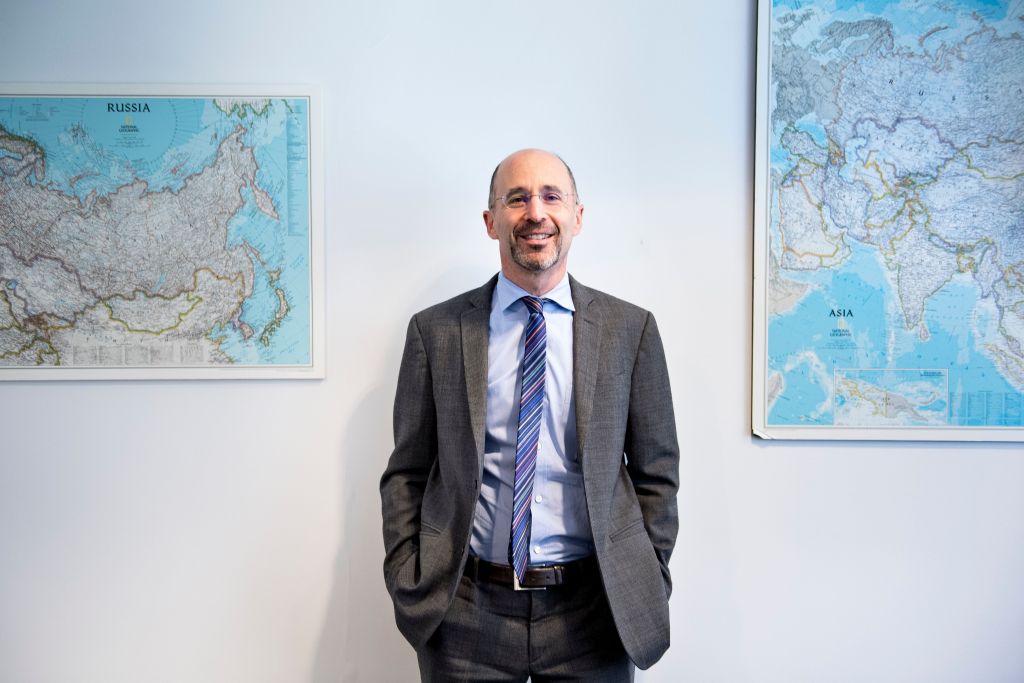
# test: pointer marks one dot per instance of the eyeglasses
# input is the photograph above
(520, 200)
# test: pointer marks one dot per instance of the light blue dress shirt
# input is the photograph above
(560, 530)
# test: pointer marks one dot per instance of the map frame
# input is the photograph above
(315, 322)
(762, 216)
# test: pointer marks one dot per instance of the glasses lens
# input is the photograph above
(519, 200)
(516, 200)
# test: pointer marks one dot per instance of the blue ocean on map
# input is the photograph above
(90, 146)
(981, 396)
(782, 159)
(979, 393)
(290, 338)
(861, 282)
(284, 252)
(811, 126)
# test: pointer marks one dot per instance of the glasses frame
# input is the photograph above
(565, 201)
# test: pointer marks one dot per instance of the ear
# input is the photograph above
(489, 222)
(578, 215)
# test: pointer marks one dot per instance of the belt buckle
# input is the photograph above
(517, 587)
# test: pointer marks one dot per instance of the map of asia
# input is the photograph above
(155, 236)
(889, 239)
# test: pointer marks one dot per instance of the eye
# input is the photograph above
(552, 197)
(515, 201)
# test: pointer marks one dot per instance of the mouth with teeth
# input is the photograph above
(534, 236)
(536, 247)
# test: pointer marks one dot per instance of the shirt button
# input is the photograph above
(538, 499)
(536, 550)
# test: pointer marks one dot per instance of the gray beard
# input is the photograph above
(534, 262)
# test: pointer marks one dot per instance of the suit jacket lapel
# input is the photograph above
(586, 344)
(586, 340)
(475, 323)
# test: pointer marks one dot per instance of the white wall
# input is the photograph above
(229, 531)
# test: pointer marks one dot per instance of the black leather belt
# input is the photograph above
(537, 578)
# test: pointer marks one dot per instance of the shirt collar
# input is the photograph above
(507, 293)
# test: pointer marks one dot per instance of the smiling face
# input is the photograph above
(534, 238)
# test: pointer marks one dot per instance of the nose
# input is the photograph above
(535, 211)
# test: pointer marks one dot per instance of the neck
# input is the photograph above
(537, 283)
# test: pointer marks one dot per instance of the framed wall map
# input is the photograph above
(160, 232)
(889, 220)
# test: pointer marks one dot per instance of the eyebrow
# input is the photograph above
(544, 188)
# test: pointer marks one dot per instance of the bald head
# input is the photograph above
(517, 156)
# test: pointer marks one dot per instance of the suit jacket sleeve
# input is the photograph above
(651, 449)
(404, 480)
(430, 486)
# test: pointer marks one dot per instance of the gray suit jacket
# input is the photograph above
(626, 444)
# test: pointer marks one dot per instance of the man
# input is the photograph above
(529, 504)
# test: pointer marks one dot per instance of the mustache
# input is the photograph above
(527, 228)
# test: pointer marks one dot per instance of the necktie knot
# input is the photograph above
(535, 304)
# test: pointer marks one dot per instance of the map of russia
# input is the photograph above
(154, 232)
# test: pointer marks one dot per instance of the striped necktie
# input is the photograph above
(531, 404)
